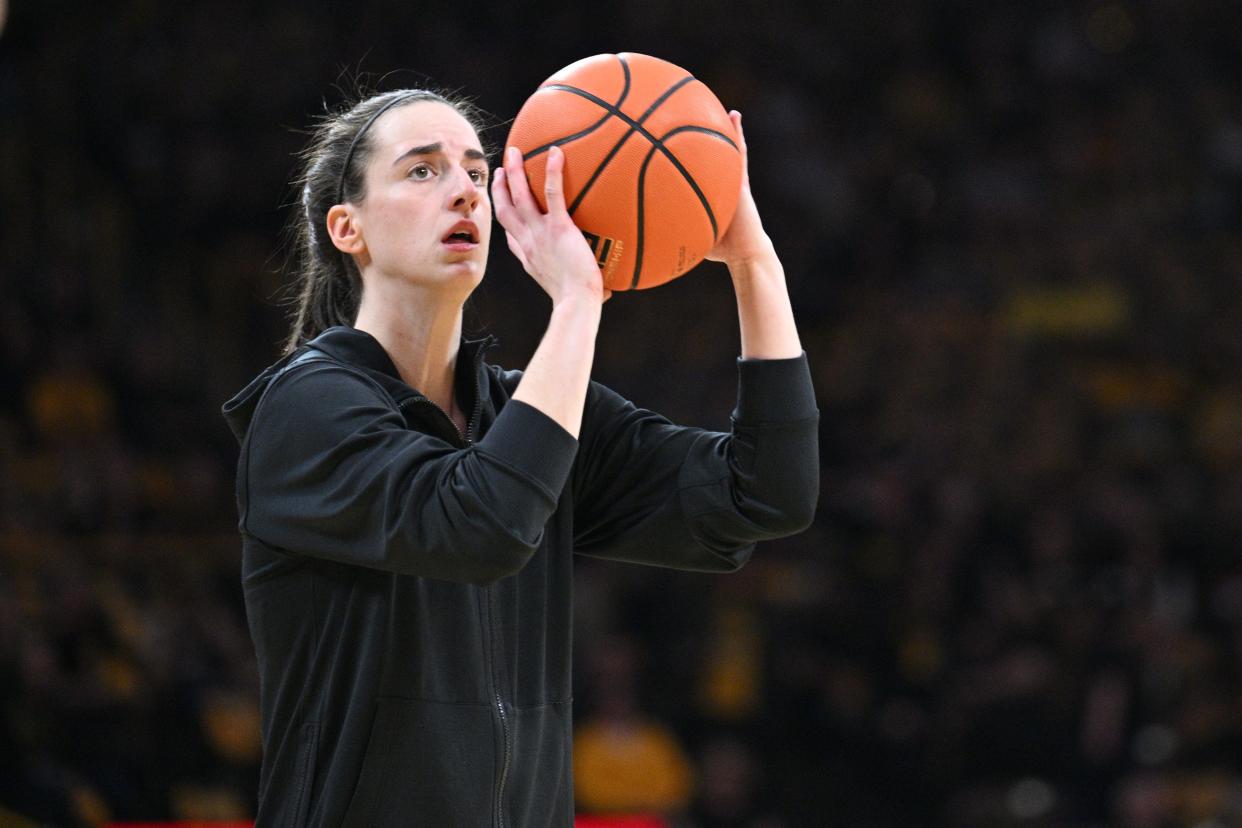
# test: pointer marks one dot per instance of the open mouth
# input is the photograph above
(462, 234)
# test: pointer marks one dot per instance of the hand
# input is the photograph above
(745, 239)
(549, 245)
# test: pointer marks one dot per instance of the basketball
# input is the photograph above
(653, 168)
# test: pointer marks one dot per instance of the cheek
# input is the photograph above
(485, 217)
(390, 219)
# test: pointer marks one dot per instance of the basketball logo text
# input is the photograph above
(607, 252)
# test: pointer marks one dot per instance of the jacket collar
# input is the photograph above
(355, 347)
(360, 349)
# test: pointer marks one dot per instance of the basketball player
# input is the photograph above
(409, 512)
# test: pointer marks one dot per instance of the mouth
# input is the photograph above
(462, 235)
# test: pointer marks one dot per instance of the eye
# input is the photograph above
(420, 172)
(478, 175)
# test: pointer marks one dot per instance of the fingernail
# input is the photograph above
(513, 153)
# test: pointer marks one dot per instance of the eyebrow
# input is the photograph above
(431, 149)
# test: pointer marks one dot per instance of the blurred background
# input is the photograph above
(1012, 235)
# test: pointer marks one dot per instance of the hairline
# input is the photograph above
(361, 142)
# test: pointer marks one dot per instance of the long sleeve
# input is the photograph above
(330, 470)
(648, 491)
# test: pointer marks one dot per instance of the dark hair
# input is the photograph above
(329, 286)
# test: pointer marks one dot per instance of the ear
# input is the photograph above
(345, 230)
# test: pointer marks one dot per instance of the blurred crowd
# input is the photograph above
(1013, 233)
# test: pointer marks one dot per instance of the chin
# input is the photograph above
(466, 274)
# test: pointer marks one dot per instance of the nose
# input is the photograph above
(464, 196)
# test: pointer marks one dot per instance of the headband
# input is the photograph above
(349, 156)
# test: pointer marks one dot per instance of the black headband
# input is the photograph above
(349, 156)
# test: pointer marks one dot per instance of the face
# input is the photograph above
(426, 216)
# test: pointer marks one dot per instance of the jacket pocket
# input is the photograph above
(539, 789)
(428, 763)
(308, 744)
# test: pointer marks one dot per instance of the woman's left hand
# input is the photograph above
(745, 240)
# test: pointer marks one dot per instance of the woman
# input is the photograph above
(409, 512)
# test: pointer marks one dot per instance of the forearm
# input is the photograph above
(353, 482)
(656, 493)
(765, 315)
(555, 381)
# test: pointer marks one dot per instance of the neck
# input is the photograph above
(420, 328)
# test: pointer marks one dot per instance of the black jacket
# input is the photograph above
(408, 588)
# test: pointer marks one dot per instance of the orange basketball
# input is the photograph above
(652, 165)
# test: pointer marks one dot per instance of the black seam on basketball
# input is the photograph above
(634, 126)
(612, 110)
(638, 244)
(689, 178)
(694, 185)
(664, 97)
(703, 130)
(656, 144)
(625, 90)
(642, 177)
(561, 141)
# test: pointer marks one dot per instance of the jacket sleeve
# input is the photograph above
(648, 491)
(330, 470)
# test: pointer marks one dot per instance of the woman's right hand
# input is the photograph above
(549, 245)
(555, 253)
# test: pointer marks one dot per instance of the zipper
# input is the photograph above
(504, 766)
(485, 346)
(491, 632)
(421, 400)
(468, 437)
(506, 736)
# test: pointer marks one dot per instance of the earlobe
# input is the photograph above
(344, 229)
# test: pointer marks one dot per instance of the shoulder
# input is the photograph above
(321, 391)
(319, 375)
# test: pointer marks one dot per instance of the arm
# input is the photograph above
(553, 251)
(648, 491)
(330, 470)
(652, 492)
(764, 312)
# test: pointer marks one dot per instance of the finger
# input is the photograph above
(501, 199)
(607, 295)
(516, 250)
(519, 186)
(736, 118)
(502, 202)
(553, 190)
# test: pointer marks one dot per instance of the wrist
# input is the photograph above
(758, 252)
(578, 303)
(756, 264)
